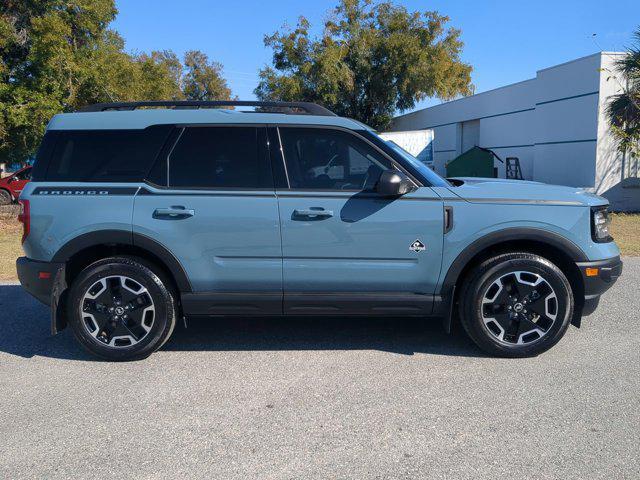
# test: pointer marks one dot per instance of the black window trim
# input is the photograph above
(167, 146)
(167, 149)
(168, 162)
(165, 155)
(277, 165)
(394, 162)
(283, 158)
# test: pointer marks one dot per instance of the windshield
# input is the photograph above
(432, 177)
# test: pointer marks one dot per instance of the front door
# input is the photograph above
(216, 211)
(345, 248)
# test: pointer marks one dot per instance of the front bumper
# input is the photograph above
(37, 277)
(598, 276)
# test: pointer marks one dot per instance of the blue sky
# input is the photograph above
(505, 41)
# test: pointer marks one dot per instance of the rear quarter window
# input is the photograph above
(39, 170)
(104, 155)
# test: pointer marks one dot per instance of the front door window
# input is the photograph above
(324, 159)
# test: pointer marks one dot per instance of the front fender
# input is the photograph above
(505, 235)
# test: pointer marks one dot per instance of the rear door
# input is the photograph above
(345, 248)
(213, 206)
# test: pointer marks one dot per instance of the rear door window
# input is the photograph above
(220, 157)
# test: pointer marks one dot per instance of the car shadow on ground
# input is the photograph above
(24, 332)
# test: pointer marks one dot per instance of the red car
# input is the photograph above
(11, 186)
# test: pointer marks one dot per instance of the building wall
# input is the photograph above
(505, 123)
(609, 171)
(566, 122)
(501, 114)
(554, 123)
(617, 178)
(510, 136)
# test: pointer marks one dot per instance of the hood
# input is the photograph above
(498, 190)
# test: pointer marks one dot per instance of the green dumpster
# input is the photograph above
(475, 162)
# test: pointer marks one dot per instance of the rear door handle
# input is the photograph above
(176, 212)
(314, 212)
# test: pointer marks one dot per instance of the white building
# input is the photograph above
(554, 123)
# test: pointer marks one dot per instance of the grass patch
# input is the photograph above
(10, 248)
(625, 229)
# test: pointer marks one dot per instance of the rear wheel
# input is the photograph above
(120, 309)
(5, 198)
(516, 305)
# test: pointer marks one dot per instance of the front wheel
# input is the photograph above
(516, 305)
(120, 309)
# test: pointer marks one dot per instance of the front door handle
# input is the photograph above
(314, 212)
(176, 212)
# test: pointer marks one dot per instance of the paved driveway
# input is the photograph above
(302, 398)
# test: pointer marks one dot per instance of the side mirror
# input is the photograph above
(393, 184)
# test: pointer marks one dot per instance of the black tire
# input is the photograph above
(149, 323)
(5, 198)
(495, 289)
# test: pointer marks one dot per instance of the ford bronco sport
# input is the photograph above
(140, 214)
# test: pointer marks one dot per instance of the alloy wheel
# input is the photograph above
(117, 311)
(519, 308)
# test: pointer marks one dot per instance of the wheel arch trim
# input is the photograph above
(538, 235)
(128, 238)
(448, 287)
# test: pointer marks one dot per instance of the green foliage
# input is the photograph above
(624, 109)
(160, 76)
(371, 60)
(58, 55)
(203, 79)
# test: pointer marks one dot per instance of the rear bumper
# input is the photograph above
(598, 281)
(37, 277)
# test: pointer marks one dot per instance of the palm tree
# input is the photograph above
(624, 109)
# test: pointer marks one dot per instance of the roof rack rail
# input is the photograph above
(295, 108)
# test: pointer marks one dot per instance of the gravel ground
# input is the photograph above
(309, 398)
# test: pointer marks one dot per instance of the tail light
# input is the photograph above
(24, 217)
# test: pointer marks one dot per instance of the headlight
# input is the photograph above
(600, 225)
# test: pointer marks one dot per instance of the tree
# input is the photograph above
(45, 49)
(59, 55)
(160, 76)
(624, 109)
(371, 60)
(203, 79)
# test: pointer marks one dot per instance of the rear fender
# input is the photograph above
(106, 237)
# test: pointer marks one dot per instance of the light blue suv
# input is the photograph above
(140, 214)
